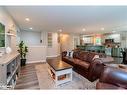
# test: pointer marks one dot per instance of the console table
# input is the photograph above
(9, 70)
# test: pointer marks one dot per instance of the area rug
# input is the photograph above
(46, 82)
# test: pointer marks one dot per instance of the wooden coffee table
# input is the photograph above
(60, 71)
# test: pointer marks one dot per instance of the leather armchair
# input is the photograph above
(112, 78)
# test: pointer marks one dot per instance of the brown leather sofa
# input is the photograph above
(84, 64)
(112, 78)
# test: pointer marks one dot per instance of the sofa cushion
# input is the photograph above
(68, 58)
(75, 60)
(91, 56)
(76, 54)
(78, 62)
(84, 55)
(84, 64)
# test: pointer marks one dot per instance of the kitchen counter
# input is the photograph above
(6, 58)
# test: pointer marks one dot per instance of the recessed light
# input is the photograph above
(27, 19)
(113, 31)
(60, 30)
(102, 29)
(31, 28)
(83, 29)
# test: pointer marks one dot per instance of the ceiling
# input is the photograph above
(71, 19)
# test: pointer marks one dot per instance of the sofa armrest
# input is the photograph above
(64, 53)
(95, 69)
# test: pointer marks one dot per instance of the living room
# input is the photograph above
(83, 47)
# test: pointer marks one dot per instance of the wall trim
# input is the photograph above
(29, 62)
(53, 55)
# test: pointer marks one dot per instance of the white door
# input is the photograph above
(76, 42)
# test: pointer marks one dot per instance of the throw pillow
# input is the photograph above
(68, 53)
(71, 53)
(96, 56)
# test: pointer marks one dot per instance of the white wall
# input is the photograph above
(67, 41)
(31, 38)
(39, 51)
(36, 54)
(6, 19)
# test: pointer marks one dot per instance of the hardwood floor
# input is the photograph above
(28, 78)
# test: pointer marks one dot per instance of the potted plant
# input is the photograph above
(23, 49)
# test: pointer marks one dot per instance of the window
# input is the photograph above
(2, 35)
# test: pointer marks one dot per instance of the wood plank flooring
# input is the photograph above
(28, 78)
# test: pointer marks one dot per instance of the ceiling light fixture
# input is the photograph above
(27, 19)
(102, 29)
(31, 28)
(83, 29)
(60, 30)
(113, 31)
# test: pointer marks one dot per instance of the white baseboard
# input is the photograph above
(54, 55)
(29, 62)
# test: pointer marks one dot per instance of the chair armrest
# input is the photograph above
(115, 76)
